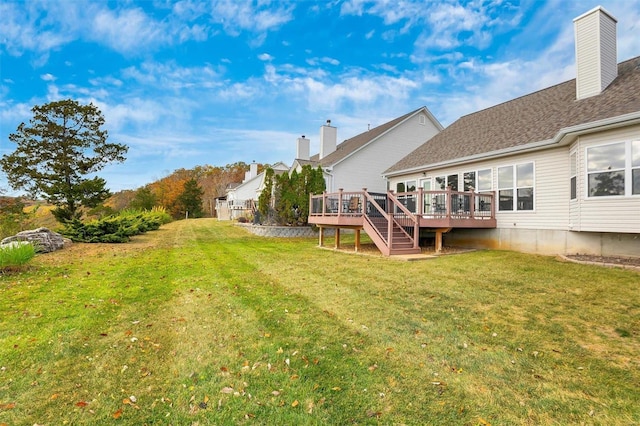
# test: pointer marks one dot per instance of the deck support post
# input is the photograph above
(321, 236)
(357, 242)
(439, 233)
(337, 246)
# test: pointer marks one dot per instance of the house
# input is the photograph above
(358, 162)
(241, 199)
(563, 163)
(553, 172)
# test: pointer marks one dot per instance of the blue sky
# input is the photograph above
(214, 82)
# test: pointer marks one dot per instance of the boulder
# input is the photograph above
(43, 239)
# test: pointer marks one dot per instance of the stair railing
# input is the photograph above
(376, 207)
(403, 219)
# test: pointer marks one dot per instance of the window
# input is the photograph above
(524, 184)
(422, 120)
(605, 170)
(484, 180)
(407, 200)
(515, 184)
(441, 183)
(505, 188)
(452, 182)
(469, 181)
(635, 167)
(573, 167)
(407, 186)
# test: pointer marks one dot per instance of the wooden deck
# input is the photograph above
(393, 220)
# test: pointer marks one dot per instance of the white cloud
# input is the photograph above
(238, 15)
(265, 57)
(48, 77)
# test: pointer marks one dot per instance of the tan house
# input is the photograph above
(554, 172)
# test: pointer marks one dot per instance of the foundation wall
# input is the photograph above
(547, 242)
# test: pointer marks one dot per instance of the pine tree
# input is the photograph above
(62, 145)
(191, 199)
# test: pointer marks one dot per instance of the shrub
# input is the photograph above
(16, 254)
(116, 229)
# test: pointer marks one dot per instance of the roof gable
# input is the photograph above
(350, 146)
(537, 117)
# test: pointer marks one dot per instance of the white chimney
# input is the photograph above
(302, 148)
(253, 170)
(596, 59)
(328, 139)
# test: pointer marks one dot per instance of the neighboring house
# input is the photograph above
(359, 162)
(563, 162)
(241, 199)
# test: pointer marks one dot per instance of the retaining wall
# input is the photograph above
(282, 231)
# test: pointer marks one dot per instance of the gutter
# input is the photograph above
(565, 136)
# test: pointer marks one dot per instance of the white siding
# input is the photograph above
(606, 214)
(587, 57)
(551, 190)
(608, 48)
(596, 61)
(364, 168)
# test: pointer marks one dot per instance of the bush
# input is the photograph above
(116, 229)
(15, 255)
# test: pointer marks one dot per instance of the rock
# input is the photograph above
(43, 239)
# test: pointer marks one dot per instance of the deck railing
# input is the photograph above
(441, 204)
(448, 204)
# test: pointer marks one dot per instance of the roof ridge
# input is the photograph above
(620, 65)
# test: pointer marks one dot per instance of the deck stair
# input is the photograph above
(389, 236)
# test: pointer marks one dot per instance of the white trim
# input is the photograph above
(564, 136)
(514, 187)
(589, 12)
(422, 109)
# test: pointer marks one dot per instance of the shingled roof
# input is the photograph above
(349, 146)
(537, 117)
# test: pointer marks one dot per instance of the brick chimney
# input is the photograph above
(328, 139)
(596, 57)
(302, 148)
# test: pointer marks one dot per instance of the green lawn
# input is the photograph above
(202, 323)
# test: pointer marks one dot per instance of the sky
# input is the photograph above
(188, 83)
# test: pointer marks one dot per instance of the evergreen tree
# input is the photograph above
(144, 199)
(191, 198)
(265, 198)
(63, 144)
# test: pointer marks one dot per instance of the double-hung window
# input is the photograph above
(516, 187)
(613, 169)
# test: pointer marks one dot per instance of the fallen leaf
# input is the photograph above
(295, 403)
(117, 414)
(227, 390)
(376, 414)
(295, 377)
(206, 399)
(483, 422)
(81, 404)
(8, 406)
(54, 396)
(275, 393)
(337, 388)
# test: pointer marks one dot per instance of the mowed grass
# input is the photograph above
(202, 323)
